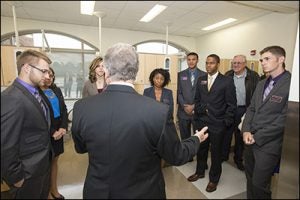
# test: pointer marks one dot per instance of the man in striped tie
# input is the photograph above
(25, 137)
(264, 123)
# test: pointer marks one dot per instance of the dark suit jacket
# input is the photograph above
(266, 119)
(25, 140)
(218, 105)
(166, 98)
(185, 91)
(126, 135)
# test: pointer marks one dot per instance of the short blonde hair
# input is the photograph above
(31, 56)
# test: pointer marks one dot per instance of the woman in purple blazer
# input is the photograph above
(159, 78)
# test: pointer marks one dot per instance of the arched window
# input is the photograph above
(71, 57)
(159, 47)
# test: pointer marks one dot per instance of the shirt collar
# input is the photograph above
(122, 83)
(214, 76)
(29, 87)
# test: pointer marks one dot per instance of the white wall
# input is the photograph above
(90, 34)
(271, 29)
(294, 88)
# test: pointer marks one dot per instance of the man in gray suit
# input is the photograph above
(126, 135)
(25, 136)
(264, 122)
(186, 88)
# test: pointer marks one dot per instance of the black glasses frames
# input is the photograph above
(44, 71)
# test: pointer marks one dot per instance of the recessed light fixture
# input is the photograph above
(221, 23)
(87, 7)
(156, 10)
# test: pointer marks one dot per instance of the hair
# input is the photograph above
(243, 56)
(215, 56)
(192, 54)
(53, 85)
(163, 72)
(31, 57)
(92, 67)
(121, 61)
(276, 50)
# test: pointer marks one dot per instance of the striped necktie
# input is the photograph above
(268, 89)
(209, 82)
(192, 78)
(39, 98)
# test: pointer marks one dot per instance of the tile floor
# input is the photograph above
(232, 185)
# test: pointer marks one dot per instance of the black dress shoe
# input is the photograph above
(60, 196)
(195, 177)
(211, 187)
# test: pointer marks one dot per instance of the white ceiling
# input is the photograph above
(185, 18)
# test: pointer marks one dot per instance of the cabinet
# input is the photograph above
(225, 65)
(9, 70)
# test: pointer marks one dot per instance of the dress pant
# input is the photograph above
(239, 143)
(259, 167)
(185, 128)
(214, 140)
(33, 188)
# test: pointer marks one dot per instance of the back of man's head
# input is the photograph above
(121, 62)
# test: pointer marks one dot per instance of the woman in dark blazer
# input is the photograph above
(159, 78)
(59, 123)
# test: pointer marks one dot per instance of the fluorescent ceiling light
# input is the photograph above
(156, 10)
(87, 7)
(221, 23)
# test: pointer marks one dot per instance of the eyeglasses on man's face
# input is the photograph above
(237, 63)
(44, 71)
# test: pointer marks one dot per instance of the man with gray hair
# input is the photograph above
(126, 135)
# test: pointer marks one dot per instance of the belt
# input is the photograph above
(241, 106)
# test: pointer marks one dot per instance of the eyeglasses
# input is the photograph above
(44, 71)
(237, 63)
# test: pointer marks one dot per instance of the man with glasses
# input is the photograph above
(264, 122)
(25, 138)
(245, 81)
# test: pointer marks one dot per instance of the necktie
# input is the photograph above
(268, 89)
(192, 78)
(39, 98)
(209, 82)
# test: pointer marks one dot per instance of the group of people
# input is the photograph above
(127, 135)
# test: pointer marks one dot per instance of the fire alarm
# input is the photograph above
(253, 52)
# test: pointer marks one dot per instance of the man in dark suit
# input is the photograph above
(186, 87)
(245, 81)
(126, 135)
(25, 139)
(264, 122)
(215, 105)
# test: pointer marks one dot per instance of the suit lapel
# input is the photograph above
(32, 99)
(276, 87)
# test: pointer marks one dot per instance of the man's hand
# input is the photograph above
(189, 108)
(19, 183)
(248, 138)
(201, 134)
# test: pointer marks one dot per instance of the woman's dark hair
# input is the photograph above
(53, 85)
(163, 72)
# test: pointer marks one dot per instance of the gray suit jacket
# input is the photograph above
(266, 119)
(185, 91)
(126, 135)
(25, 137)
(89, 89)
